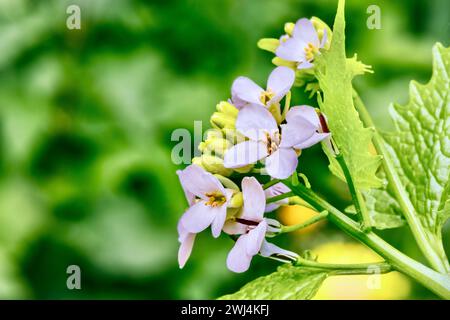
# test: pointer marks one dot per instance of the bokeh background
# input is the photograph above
(86, 117)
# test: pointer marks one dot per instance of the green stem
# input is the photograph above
(438, 263)
(436, 282)
(321, 216)
(280, 197)
(270, 184)
(346, 269)
(297, 201)
(357, 197)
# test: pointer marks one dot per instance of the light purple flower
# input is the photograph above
(186, 240)
(273, 191)
(208, 201)
(267, 143)
(244, 91)
(253, 228)
(302, 46)
(301, 113)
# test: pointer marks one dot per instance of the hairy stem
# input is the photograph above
(437, 262)
(270, 184)
(357, 197)
(321, 216)
(346, 269)
(436, 282)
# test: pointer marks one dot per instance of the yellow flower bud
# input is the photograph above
(236, 200)
(227, 108)
(245, 169)
(218, 146)
(212, 164)
(269, 44)
(281, 62)
(289, 28)
(214, 133)
(221, 120)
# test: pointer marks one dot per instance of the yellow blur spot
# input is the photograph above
(290, 215)
(391, 286)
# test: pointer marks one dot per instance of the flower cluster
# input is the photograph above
(253, 135)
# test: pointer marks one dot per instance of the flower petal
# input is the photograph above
(244, 89)
(306, 112)
(254, 199)
(273, 225)
(233, 227)
(254, 122)
(182, 232)
(291, 49)
(255, 238)
(238, 103)
(185, 249)
(219, 221)
(296, 131)
(238, 260)
(197, 181)
(315, 138)
(268, 249)
(190, 197)
(281, 80)
(282, 163)
(305, 65)
(244, 153)
(305, 31)
(199, 217)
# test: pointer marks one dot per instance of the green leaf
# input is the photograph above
(420, 149)
(335, 73)
(384, 210)
(287, 283)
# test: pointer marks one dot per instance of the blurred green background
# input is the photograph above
(86, 117)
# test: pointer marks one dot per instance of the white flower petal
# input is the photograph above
(255, 238)
(233, 227)
(238, 260)
(315, 138)
(244, 89)
(197, 181)
(291, 50)
(255, 121)
(282, 163)
(219, 221)
(296, 131)
(244, 153)
(281, 80)
(254, 199)
(184, 252)
(305, 65)
(199, 217)
(306, 112)
(268, 249)
(305, 31)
